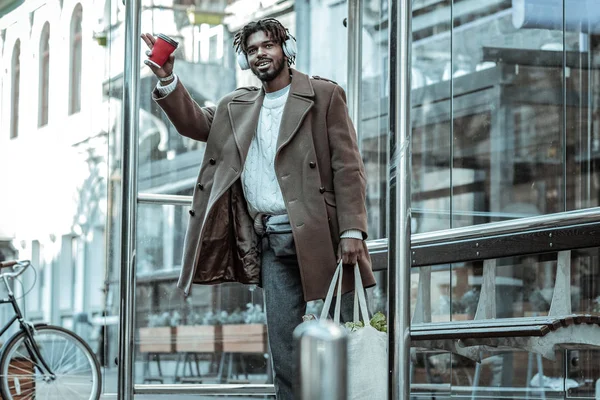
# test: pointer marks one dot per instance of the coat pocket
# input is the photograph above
(329, 198)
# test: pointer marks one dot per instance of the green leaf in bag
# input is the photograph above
(379, 322)
(353, 326)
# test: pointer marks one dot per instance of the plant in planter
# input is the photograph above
(245, 331)
(157, 337)
(200, 334)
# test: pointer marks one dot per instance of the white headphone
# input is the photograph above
(289, 49)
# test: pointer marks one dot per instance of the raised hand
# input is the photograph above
(167, 68)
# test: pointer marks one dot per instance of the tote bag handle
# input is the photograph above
(360, 302)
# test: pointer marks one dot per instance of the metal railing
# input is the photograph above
(510, 227)
(206, 389)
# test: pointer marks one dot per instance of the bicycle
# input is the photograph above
(44, 361)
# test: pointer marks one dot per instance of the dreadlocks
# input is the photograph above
(276, 31)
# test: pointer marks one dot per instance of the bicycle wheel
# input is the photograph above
(72, 361)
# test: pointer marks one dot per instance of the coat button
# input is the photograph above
(192, 212)
(322, 189)
(312, 164)
(212, 161)
(200, 186)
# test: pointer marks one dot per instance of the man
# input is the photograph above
(280, 179)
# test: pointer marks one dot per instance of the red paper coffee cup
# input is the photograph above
(163, 47)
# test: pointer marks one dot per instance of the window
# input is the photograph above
(14, 95)
(75, 83)
(44, 75)
(34, 283)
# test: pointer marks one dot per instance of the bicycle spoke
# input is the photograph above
(30, 390)
(49, 342)
(15, 367)
(64, 354)
(30, 396)
(68, 361)
(26, 357)
(72, 390)
(14, 389)
(52, 361)
(59, 392)
(83, 372)
(77, 368)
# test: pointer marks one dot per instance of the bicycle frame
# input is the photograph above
(30, 344)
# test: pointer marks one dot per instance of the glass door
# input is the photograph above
(215, 338)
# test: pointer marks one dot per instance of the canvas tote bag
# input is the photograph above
(367, 347)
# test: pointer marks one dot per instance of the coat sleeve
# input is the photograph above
(349, 181)
(185, 114)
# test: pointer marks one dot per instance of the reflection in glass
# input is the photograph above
(509, 374)
(431, 116)
(514, 92)
(372, 126)
(215, 335)
(524, 288)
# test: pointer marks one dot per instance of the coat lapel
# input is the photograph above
(244, 111)
(299, 103)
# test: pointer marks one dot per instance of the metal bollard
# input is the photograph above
(321, 355)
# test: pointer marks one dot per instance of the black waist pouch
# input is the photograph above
(279, 232)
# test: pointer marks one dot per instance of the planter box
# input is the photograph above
(157, 340)
(26, 385)
(245, 338)
(198, 339)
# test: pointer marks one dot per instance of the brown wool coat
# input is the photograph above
(318, 167)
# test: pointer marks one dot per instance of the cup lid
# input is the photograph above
(168, 39)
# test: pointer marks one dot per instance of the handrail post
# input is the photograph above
(355, 64)
(129, 150)
(399, 221)
(321, 359)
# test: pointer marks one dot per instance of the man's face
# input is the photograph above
(265, 56)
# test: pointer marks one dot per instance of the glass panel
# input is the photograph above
(431, 121)
(431, 291)
(583, 374)
(524, 287)
(110, 34)
(581, 102)
(511, 374)
(507, 114)
(216, 335)
(373, 123)
(431, 302)
(431, 370)
(169, 162)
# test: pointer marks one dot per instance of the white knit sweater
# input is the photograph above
(259, 181)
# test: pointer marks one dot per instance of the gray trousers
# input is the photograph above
(285, 307)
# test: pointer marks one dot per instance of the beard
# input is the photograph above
(271, 73)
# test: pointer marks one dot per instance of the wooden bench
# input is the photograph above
(486, 334)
